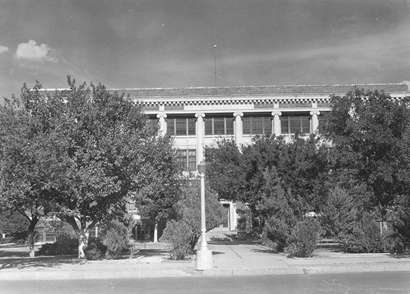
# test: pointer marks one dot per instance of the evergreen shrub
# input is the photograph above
(181, 237)
(115, 239)
(95, 249)
(304, 238)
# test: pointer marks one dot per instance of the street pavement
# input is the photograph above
(363, 283)
(231, 258)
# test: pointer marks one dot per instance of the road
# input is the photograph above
(363, 283)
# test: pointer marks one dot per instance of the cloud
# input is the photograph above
(34, 52)
(3, 49)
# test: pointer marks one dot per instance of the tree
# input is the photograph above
(184, 231)
(280, 182)
(157, 198)
(300, 164)
(366, 129)
(91, 151)
(112, 154)
(225, 172)
(13, 223)
(26, 157)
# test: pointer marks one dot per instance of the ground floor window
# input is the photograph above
(186, 159)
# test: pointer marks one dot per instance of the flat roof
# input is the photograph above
(292, 90)
(269, 90)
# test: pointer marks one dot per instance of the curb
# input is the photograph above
(141, 272)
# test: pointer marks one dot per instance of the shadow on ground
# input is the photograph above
(37, 262)
(231, 240)
(267, 251)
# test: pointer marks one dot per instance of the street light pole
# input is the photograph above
(204, 255)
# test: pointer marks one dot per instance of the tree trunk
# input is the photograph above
(82, 243)
(31, 231)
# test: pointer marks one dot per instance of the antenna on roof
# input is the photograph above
(214, 53)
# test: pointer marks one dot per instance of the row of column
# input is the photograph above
(200, 127)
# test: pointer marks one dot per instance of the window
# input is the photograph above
(186, 159)
(257, 125)
(295, 124)
(219, 125)
(181, 126)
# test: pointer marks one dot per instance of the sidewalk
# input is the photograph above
(230, 259)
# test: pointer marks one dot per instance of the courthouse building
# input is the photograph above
(200, 116)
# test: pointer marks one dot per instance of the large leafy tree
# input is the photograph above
(367, 129)
(273, 176)
(27, 163)
(226, 172)
(113, 155)
(98, 153)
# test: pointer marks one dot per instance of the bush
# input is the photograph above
(276, 233)
(397, 241)
(181, 238)
(115, 239)
(362, 236)
(64, 245)
(304, 238)
(183, 233)
(95, 249)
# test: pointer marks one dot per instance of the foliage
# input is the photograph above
(225, 170)
(361, 234)
(115, 238)
(81, 152)
(340, 209)
(95, 249)
(304, 238)
(398, 239)
(27, 158)
(279, 180)
(181, 237)
(277, 212)
(187, 228)
(14, 225)
(64, 245)
(367, 129)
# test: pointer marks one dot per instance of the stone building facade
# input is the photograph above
(200, 116)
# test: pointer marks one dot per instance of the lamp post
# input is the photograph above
(204, 255)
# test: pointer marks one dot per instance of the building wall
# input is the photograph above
(281, 106)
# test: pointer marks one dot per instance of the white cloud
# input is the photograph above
(3, 49)
(34, 52)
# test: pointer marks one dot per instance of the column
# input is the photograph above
(238, 127)
(276, 122)
(162, 123)
(315, 120)
(200, 132)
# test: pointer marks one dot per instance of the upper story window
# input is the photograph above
(186, 159)
(295, 124)
(257, 125)
(219, 125)
(180, 126)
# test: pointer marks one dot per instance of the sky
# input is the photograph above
(174, 43)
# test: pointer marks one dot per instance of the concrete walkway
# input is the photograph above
(244, 258)
(231, 258)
